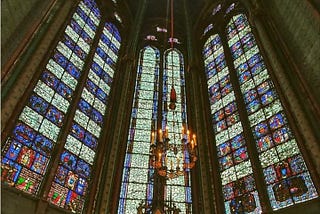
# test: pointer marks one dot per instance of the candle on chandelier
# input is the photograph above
(166, 132)
(152, 138)
(194, 138)
(160, 135)
(188, 135)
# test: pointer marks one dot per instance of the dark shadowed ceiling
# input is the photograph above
(158, 14)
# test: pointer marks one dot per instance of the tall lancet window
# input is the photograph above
(137, 182)
(284, 174)
(70, 186)
(36, 139)
(234, 165)
(178, 190)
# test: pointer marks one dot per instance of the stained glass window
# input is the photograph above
(70, 185)
(238, 184)
(28, 150)
(285, 172)
(137, 182)
(178, 190)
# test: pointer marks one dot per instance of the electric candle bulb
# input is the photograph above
(160, 135)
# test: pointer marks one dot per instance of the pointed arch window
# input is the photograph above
(137, 182)
(28, 151)
(178, 190)
(284, 172)
(138, 175)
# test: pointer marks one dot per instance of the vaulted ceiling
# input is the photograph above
(158, 14)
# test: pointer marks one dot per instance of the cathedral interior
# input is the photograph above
(160, 106)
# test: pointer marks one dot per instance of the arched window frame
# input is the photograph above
(219, 26)
(63, 76)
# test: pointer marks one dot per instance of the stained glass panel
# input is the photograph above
(235, 166)
(77, 160)
(275, 142)
(137, 182)
(35, 134)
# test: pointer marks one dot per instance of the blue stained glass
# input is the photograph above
(297, 164)
(64, 91)
(83, 168)
(101, 95)
(101, 53)
(236, 46)
(24, 133)
(43, 145)
(242, 67)
(86, 37)
(91, 86)
(247, 38)
(96, 68)
(73, 70)
(221, 66)
(75, 26)
(81, 186)
(61, 175)
(220, 126)
(10, 171)
(261, 129)
(237, 142)
(90, 141)
(55, 116)
(91, 25)
(248, 45)
(254, 59)
(81, 13)
(268, 97)
(228, 191)
(276, 121)
(224, 81)
(68, 160)
(78, 132)
(40, 163)
(13, 150)
(80, 53)
(244, 77)
(38, 104)
(250, 96)
(68, 42)
(224, 149)
(230, 108)
(85, 107)
(97, 117)
(114, 48)
(253, 106)
(258, 68)
(50, 79)
(219, 58)
(211, 73)
(264, 87)
(107, 78)
(60, 59)
(219, 115)
(231, 27)
(213, 89)
(105, 39)
(225, 162)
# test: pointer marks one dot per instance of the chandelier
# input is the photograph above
(173, 151)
